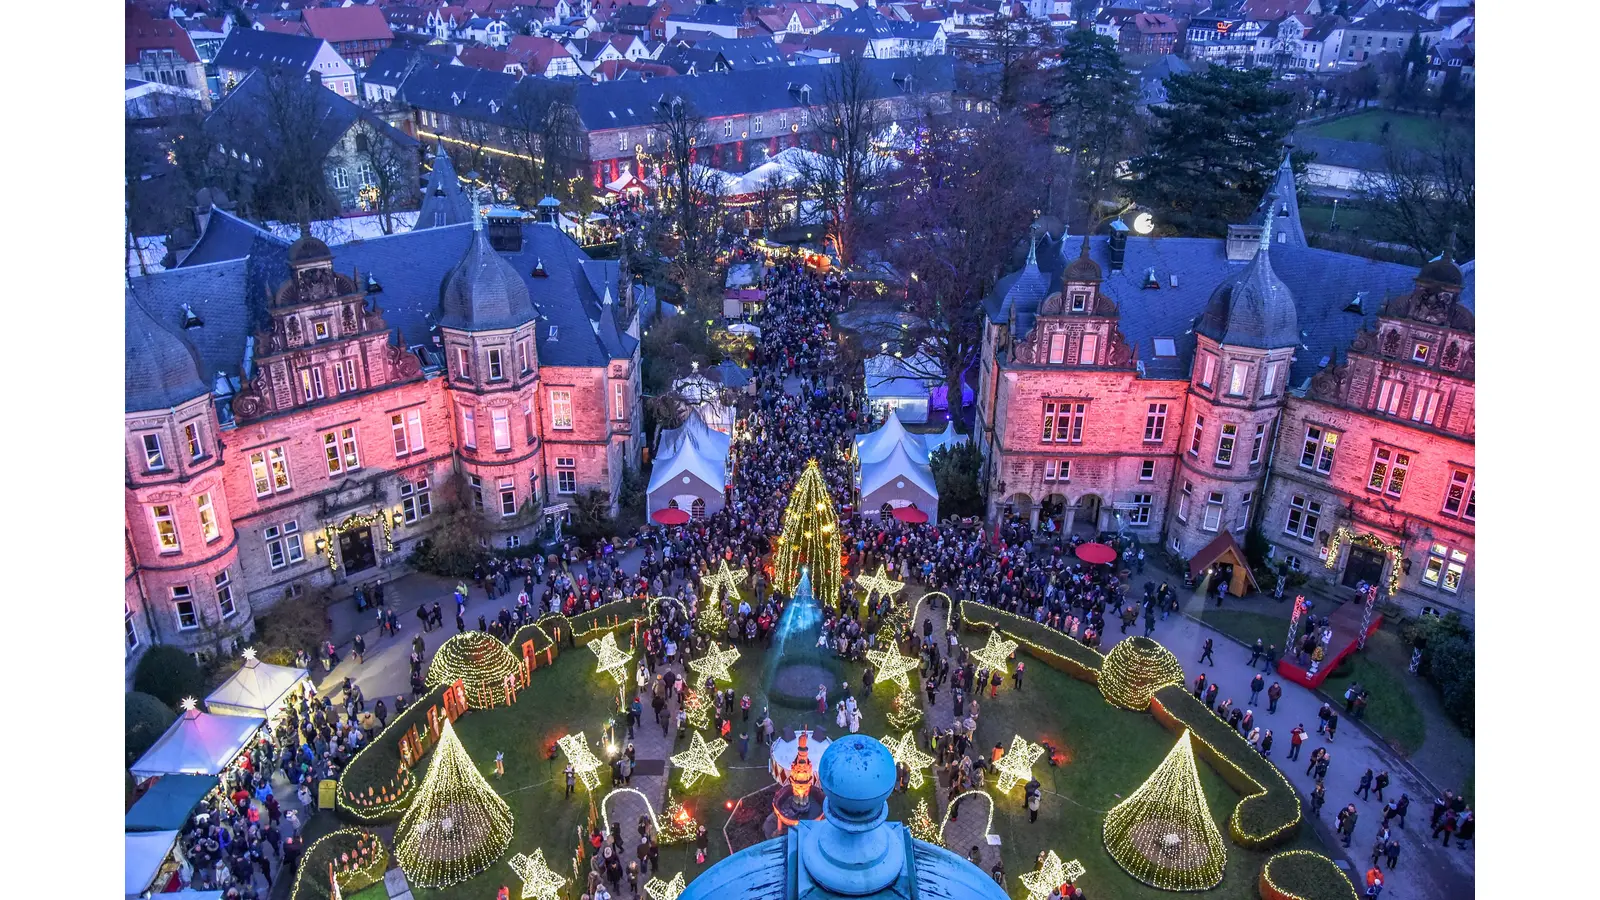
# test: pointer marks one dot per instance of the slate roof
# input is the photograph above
(744, 52)
(438, 88)
(236, 117)
(216, 294)
(725, 16)
(1363, 156)
(160, 368)
(1390, 18)
(443, 194)
(391, 65)
(228, 237)
(1254, 309)
(1322, 282)
(1283, 206)
(867, 23)
(247, 49)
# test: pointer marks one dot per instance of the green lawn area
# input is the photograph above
(1368, 126)
(1318, 216)
(1247, 626)
(1109, 753)
(1390, 710)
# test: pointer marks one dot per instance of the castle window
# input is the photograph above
(463, 364)
(1389, 393)
(1225, 444)
(500, 420)
(1303, 516)
(1089, 350)
(1058, 348)
(561, 410)
(154, 460)
(566, 475)
(1183, 501)
(1319, 448)
(1213, 519)
(496, 371)
(270, 469)
(166, 528)
(527, 421)
(1457, 497)
(469, 429)
(208, 518)
(1208, 367)
(416, 500)
(1256, 444)
(1445, 568)
(1063, 422)
(1425, 407)
(340, 448)
(1199, 432)
(1155, 423)
(1236, 379)
(619, 401)
(508, 497)
(1058, 470)
(1147, 470)
(1166, 347)
(1080, 301)
(1420, 352)
(130, 634)
(1269, 379)
(224, 594)
(191, 434)
(1389, 471)
(319, 330)
(1244, 511)
(475, 487)
(183, 605)
(1140, 514)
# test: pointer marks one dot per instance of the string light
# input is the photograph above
(1050, 876)
(612, 660)
(677, 825)
(995, 652)
(700, 759)
(905, 712)
(711, 621)
(1016, 766)
(457, 826)
(891, 666)
(880, 583)
(1162, 834)
(810, 538)
(538, 880)
(481, 663)
(905, 753)
(1300, 860)
(1344, 534)
(584, 763)
(363, 865)
(605, 802)
(921, 824)
(695, 709)
(664, 890)
(988, 824)
(725, 579)
(716, 663)
(1135, 669)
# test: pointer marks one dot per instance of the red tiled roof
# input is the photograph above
(144, 32)
(268, 23)
(348, 23)
(485, 58)
(1154, 23)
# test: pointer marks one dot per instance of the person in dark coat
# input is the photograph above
(1273, 694)
(1391, 852)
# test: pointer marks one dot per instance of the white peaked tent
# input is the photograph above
(892, 469)
(875, 445)
(691, 464)
(947, 438)
(257, 689)
(144, 852)
(198, 744)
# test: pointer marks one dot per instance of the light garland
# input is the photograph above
(583, 762)
(1162, 834)
(664, 890)
(605, 813)
(480, 661)
(329, 532)
(1050, 876)
(716, 663)
(1134, 670)
(921, 824)
(988, 824)
(1334, 872)
(710, 621)
(1344, 534)
(906, 752)
(611, 659)
(949, 607)
(880, 583)
(700, 759)
(539, 881)
(996, 652)
(367, 867)
(725, 579)
(457, 826)
(906, 710)
(891, 666)
(696, 711)
(677, 825)
(1016, 766)
(810, 538)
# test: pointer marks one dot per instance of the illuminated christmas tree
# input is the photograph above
(810, 538)
(922, 825)
(457, 825)
(906, 711)
(675, 825)
(1163, 834)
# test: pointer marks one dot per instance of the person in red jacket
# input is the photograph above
(1296, 738)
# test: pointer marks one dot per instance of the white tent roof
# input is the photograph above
(898, 464)
(145, 851)
(197, 744)
(947, 438)
(876, 445)
(694, 448)
(255, 690)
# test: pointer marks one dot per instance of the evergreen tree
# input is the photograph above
(956, 473)
(1091, 113)
(1213, 149)
(810, 538)
(457, 825)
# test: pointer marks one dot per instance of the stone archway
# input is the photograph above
(1089, 512)
(1054, 512)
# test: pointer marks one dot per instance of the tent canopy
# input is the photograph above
(168, 803)
(897, 465)
(255, 690)
(876, 445)
(694, 448)
(197, 744)
(947, 438)
(145, 851)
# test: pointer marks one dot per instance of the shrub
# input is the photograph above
(1050, 646)
(144, 718)
(169, 674)
(1448, 663)
(956, 473)
(1266, 579)
(293, 624)
(1304, 875)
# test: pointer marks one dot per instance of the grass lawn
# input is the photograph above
(1390, 710)
(1109, 753)
(1318, 217)
(1368, 126)
(1247, 626)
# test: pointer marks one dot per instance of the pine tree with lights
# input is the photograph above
(457, 825)
(1163, 834)
(675, 825)
(922, 825)
(810, 538)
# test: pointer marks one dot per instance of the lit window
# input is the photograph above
(1208, 366)
(495, 370)
(1388, 471)
(154, 460)
(183, 605)
(1319, 448)
(1155, 423)
(1213, 519)
(1445, 568)
(1390, 392)
(340, 449)
(166, 528)
(224, 594)
(208, 518)
(508, 497)
(1303, 516)
(1420, 352)
(1236, 379)
(619, 401)
(561, 410)
(1225, 444)
(1457, 495)
(1058, 348)
(501, 421)
(469, 429)
(1199, 432)
(191, 435)
(270, 469)
(416, 500)
(1257, 442)
(320, 330)
(397, 426)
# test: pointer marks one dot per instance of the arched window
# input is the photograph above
(886, 512)
(697, 510)
(672, 504)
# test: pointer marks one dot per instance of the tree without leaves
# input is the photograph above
(1426, 194)
(542, 129)
(1091, 116)
(694, 191)
(391, 168)
(279, 118)
(1018, 43)
(844, 178)
(1212, 149)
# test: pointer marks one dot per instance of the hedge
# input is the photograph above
(1304, 875)
(311, 882)
(1270, 812)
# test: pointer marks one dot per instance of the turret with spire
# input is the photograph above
(443, 201)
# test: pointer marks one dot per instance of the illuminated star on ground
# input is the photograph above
(996, 652)
(905, 752)
(880, 583)
(716, 663)
(1017, 765)
(584, 763)
(892, 666)
(724, 578)
(1050, 876)
(700, 759)
(613, 660)
(664, 890)
(538, 880)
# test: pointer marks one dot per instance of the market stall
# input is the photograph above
(146, 861)
(168, 803)
(197, 744)
(257, 689)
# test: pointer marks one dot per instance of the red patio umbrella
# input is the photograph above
(1099, 554)
(911, 514)
(670, 516)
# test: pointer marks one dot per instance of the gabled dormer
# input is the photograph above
(1076, 325)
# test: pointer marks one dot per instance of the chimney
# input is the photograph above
(505, 230)
(1119, 244)
(1243, 241)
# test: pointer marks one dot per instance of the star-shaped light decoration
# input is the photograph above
(996, 652)
(716, 663)
(1016, 766)
(538, 880)
(700, 759)
(188, 704)
(583, 762)
(1050, 876)
(613, 660)
(664, 890)
(905, 751)
(249, 654)
(892, 666)
(880, 583)
(724, 578)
